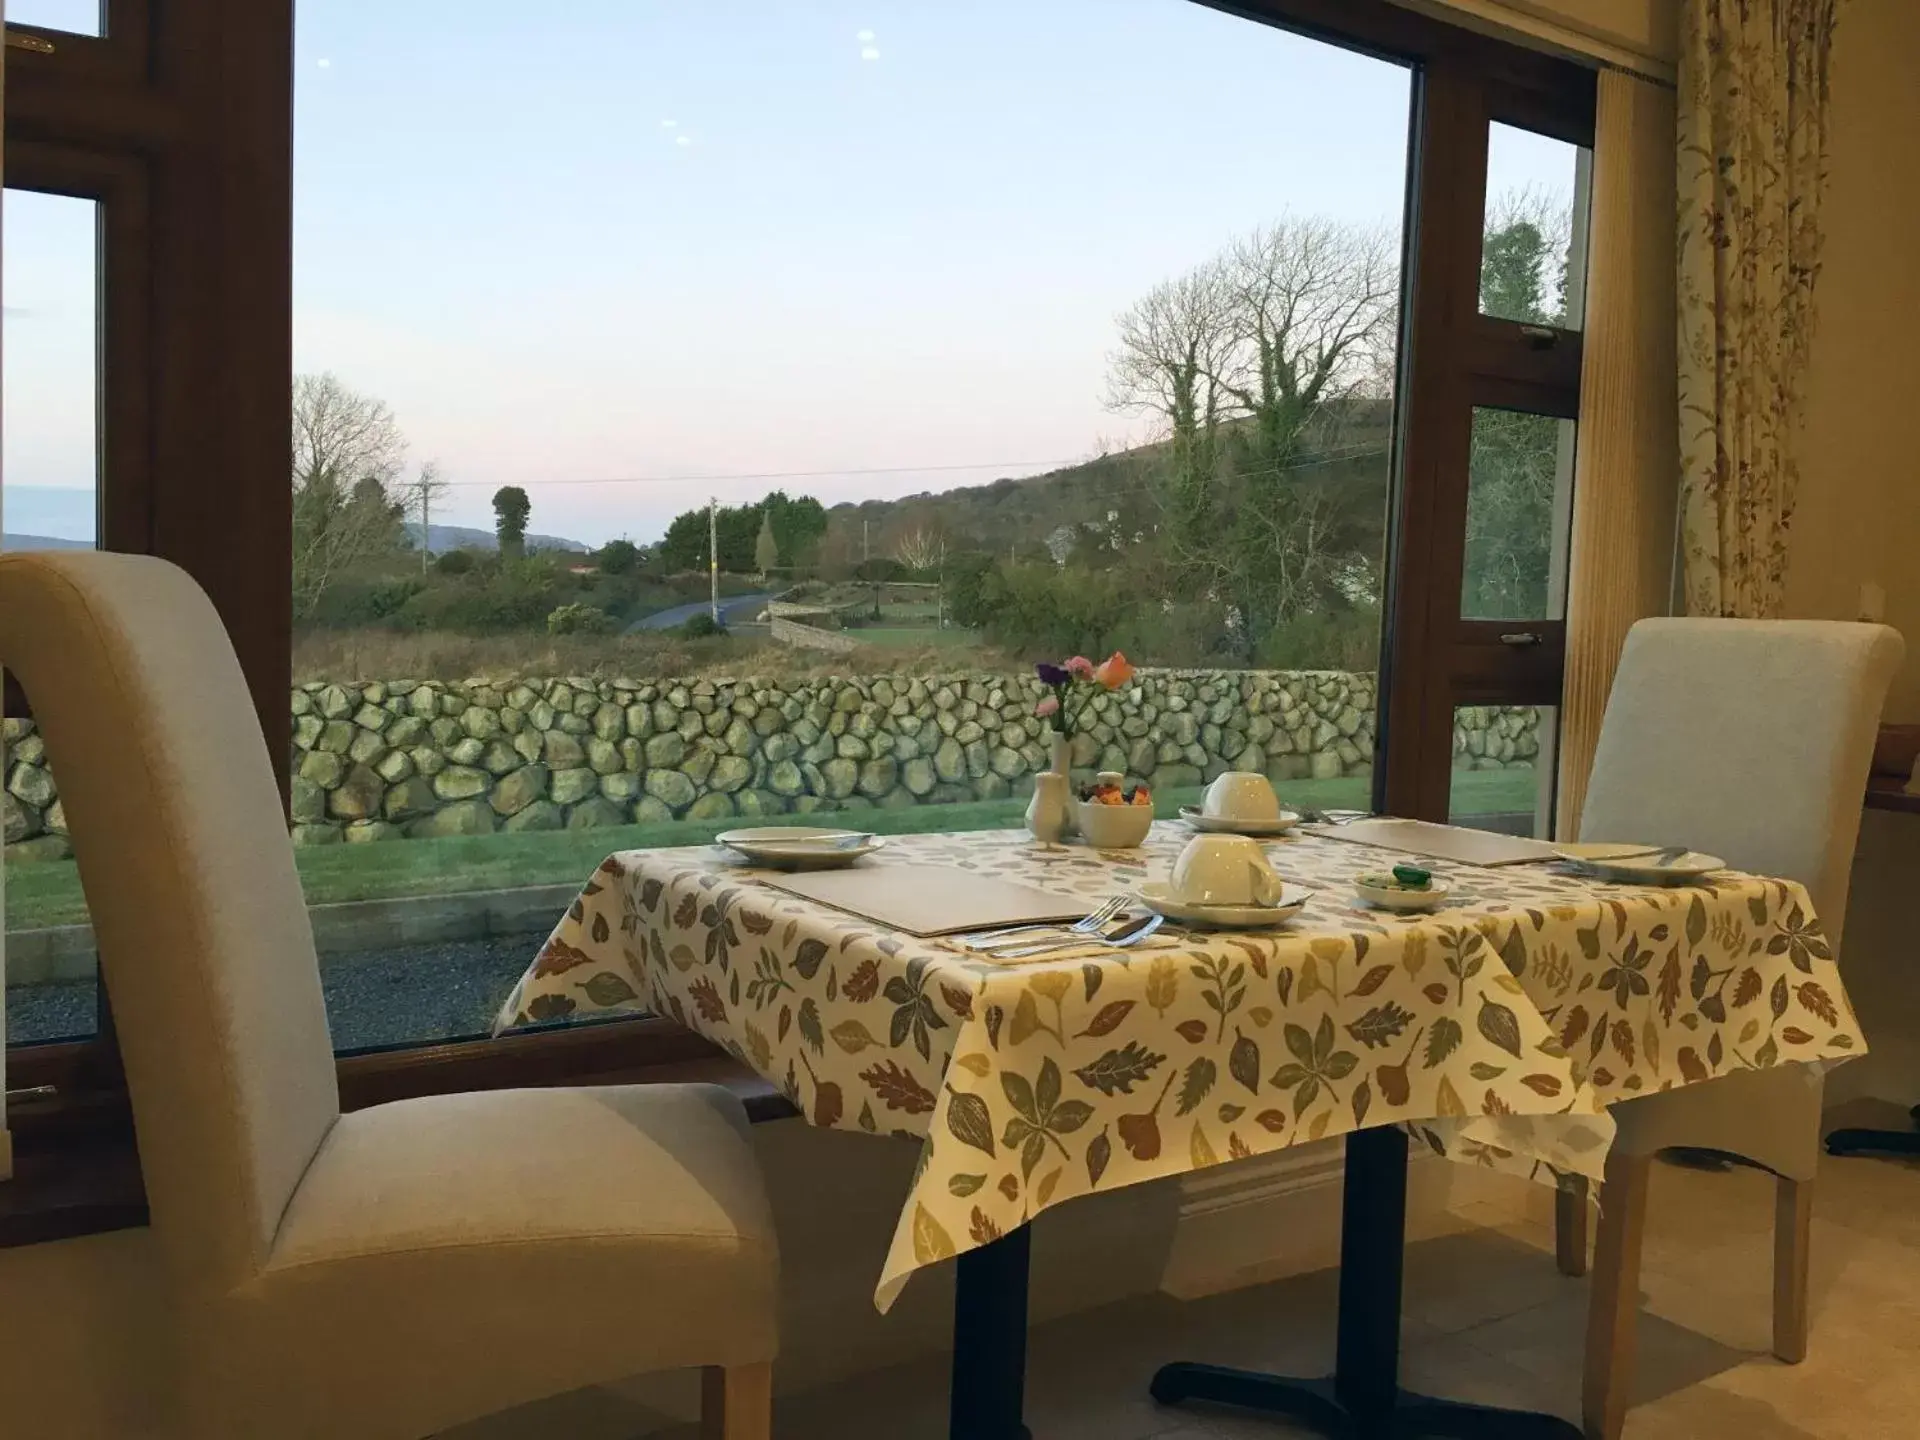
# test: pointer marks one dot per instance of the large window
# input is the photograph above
(715, 422)
(910, 355)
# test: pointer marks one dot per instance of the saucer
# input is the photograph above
(1221, 825)
(1636, 864)
(1159, 898)
(799, 847)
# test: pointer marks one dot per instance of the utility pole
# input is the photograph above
(429, 484)
(866, 541)
(713, 552)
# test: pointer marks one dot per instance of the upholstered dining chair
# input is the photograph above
(388, 1273)
(1749, 740)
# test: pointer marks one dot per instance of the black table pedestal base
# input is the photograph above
(1876, 1142)
(990, 1341)
(1362, 1400)
(1317, 1403)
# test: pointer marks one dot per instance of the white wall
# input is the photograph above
(1859, 511)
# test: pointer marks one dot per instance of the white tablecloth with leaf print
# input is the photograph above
(1498, 1029)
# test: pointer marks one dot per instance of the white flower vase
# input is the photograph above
(1050, 811)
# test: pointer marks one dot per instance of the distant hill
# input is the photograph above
(42, 542)
(442, 538)
(1116, 493)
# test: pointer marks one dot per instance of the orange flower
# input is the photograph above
(1114, 671)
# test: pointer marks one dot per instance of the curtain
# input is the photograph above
(1752, 135)
(1624, 493)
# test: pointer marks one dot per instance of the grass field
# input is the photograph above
(48, 893)
(904, 635)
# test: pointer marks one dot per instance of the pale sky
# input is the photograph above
(674, 239)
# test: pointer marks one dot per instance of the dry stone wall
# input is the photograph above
(396, 759)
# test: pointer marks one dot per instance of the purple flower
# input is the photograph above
(1050, 674)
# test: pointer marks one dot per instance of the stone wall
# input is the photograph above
(387, 760)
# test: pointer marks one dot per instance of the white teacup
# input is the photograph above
(1241, 795)
(1225, 870)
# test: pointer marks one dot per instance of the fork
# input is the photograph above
(1128, 935)
(993, 939)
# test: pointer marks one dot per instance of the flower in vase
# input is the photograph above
(1114, 671)
(1051, 675)
(1048, 706)
(1080, 668)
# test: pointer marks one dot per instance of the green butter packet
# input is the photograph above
(1412, 877)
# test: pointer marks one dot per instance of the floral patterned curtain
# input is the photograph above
(1752, 155)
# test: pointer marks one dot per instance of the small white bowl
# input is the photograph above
(1113, 827)
(1394, 897)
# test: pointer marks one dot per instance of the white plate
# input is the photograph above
(1407, 901)
(1633, 864)
(797, 847)
(1221, 825)
(1160, 900)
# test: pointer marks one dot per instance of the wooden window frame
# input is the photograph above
(197, 97)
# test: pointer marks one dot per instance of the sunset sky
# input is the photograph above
(697, 246)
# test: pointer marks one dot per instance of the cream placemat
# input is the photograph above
(1439, 842)
(931, 899)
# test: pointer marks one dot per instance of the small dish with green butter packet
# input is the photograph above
(1406, 888)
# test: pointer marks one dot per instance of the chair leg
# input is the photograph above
(1614, 1302)
(1571, 1212)
(1792, 1232)
(736, 1402)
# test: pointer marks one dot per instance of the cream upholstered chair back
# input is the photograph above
(1746, 739)
(204, 942)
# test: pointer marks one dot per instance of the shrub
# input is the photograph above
(880, 569)
(579, 620)
(454, 562)
(701, 626)
(1040, 611)
(618, 557)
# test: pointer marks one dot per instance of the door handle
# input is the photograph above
(1520, 639)
(20, 40)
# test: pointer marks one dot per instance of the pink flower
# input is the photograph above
(1048, 706)
(1080, 668)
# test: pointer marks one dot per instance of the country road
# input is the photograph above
(733, 608)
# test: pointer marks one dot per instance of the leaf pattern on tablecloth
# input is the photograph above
(1496, 1030)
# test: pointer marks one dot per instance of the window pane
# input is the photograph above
(1519, 506)
(1503, 768)
(48, 501)
(76, 17)
(924, 434)
(1533, 261)
(51, 455)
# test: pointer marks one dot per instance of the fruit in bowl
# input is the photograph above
(1113, 817)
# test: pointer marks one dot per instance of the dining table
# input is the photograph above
(1494, 1031)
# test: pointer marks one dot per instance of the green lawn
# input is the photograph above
(48, 893)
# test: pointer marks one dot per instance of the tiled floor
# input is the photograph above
(1488, 1318)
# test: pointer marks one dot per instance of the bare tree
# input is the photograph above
(347, 456)
(1176, 348)
(1313, 305)
(423, 492)
(924, 547)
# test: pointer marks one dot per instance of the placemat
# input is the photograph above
(1456, 843)
(931, 899)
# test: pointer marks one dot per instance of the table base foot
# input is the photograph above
(1317, 1403)
(1874, 1142)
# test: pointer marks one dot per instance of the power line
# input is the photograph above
(1038, 465)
